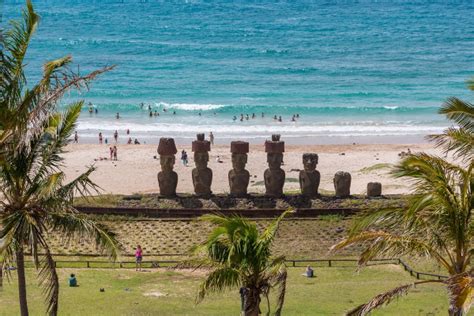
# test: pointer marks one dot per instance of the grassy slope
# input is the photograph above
(332, 292)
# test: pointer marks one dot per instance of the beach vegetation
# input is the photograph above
(33, 135)
(240, 256)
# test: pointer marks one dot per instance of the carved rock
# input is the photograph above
(167, 178)
(238, 176)
(374, 189)
(274, 176)
(342, 184)
(309, 177)
(202, 175)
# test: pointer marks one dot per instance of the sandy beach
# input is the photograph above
(136, 169)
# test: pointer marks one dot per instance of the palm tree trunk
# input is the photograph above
(20, 262)
(454, 311)
(252, 302)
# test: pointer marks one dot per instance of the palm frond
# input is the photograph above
(460, 112)
(48, 278)
(460, 141)
(218, 280)
(385, 298)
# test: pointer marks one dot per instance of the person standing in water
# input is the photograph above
(76, 137)
(117, 116)
(100, 138)
(116, 136)
(211, 138)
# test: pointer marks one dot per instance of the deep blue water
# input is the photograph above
(348, 68)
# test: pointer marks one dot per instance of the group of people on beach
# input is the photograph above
(247, 117)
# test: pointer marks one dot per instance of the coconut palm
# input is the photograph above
(240, 256)
(36, 201)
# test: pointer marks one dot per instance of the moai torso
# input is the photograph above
(309, 177)
(239, 182)
(274, 181)
(342, 184)
(202, 181)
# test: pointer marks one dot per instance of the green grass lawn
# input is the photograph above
(163, 292)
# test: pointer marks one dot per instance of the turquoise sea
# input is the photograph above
(365, 71)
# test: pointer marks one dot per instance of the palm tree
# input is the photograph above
(240, 256)
(438, 222)
(36, 201)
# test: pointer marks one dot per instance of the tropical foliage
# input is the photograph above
(438, 223)
(239, 256)
(35, 200)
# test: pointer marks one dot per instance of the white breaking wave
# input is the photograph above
(189, 106)
(236, 129)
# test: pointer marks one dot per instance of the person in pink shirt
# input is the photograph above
(138, 258)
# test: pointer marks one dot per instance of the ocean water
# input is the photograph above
(365, 71)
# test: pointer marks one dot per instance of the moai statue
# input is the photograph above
(274, 176)
(167, 178)
(374, 189)
(202, 175)
(342, 184)
(238, 176)
(310, 177)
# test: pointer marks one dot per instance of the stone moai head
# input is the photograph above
(342, 183)
(239, 152)
(201, 149)
(167, 150)
(274, 149)
(310, 161)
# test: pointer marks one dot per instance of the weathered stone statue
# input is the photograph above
(238, 176)
(374, 189)
(202, 175)
(274, 176)
(167, 178)
(310, 177)
(342, 184)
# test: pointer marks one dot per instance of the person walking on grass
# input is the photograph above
(138, 258)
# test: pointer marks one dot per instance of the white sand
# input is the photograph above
(136, 169)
